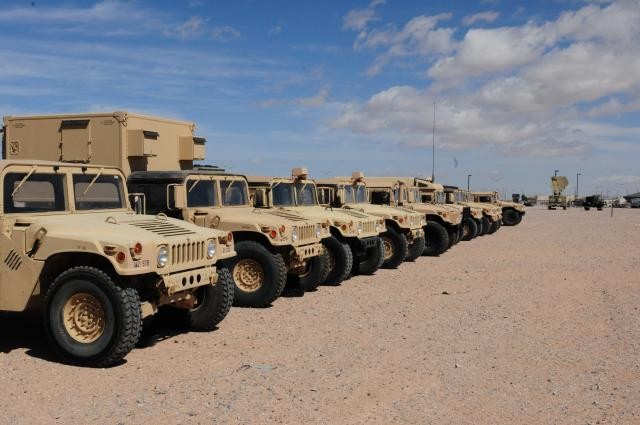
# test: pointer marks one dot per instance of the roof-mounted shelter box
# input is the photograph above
(130, 141)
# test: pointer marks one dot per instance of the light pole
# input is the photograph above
(433, 146)
(556, 173)
(577, 184)
(468, 181)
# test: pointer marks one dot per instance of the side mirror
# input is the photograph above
(176, 197)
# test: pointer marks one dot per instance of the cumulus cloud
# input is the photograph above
(488, 16)
(526, 87)
(315, 101)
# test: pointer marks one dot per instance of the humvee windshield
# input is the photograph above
(459, 197)
(98, 192)
(306, 194)
(425, 198)
(234, 192)
(485, 198)
(283, 194)
(201, 193)
(35, 193)
(355, 194)
(440, 198)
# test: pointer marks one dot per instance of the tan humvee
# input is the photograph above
(404, 237)
(442, 228)
(512, 212)
(271, 245)
(491, 214)
(151, 148)
(435, 193)
(354, 242)
(70, 241)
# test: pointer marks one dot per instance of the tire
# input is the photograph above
(340, 261)
(460, 233)
(415, 249)
(97, 297)
(452, 231)
(215, 303)
(478, 227)
(436, 239)
(253, 258)
(493, 227)
(469, 228)
(373, 259)
(587, 208)
(486, 225)
(395, 247)
(313, 274)
(510, 217)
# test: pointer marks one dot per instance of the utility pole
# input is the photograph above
(577, 184)
(556, 173)
(433, 146)
(468, 181)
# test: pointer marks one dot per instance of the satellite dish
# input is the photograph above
(558, 184)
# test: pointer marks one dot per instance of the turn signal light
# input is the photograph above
(121, 257)
(273, 234)
(137, 248)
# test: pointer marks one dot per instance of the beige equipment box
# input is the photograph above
(129, 141)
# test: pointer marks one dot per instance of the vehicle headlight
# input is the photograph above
(211, 249)
(318, 230)
(163, 256)
(294, 233)
(360, 228)
(377, 228)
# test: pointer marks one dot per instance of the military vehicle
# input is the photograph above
(470, 216)
(443, 223)
(404, 238)
(512, 212)
(491, 218)
(354, 244)
(157, 155)
(593, 201)
(558, 184)
(72, 246)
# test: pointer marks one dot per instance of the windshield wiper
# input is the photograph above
(24, 179)
(93, 181)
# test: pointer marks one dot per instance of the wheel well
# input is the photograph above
(436, 218)
(251, 236)
(58, 263)
(392, 224)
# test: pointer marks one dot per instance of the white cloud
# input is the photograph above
(619, 180)
(225, 33)
(357, 19)
(276, 30)
(315, 101)
(107, 10)
(191, 28)
(488, 16)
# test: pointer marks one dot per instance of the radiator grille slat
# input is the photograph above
(187, 252)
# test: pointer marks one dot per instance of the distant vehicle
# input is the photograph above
(594, 201)
(558, 184)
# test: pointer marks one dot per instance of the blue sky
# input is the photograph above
(522, 88)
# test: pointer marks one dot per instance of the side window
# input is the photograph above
(40, 192)
(380, 197)
(104, 192)
(324, 196)
(201, 193)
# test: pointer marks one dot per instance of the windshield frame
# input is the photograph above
(122, 188)
(307, 185)
(233, 180)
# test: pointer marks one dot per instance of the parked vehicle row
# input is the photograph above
(107, 220)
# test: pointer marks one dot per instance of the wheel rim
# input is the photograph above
(248, 275)
(84, 317)
(388, 248)
(465, 230)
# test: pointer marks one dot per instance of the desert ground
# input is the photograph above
(536, 324)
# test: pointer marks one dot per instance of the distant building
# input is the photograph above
(633, 199)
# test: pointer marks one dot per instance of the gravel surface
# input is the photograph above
(538, 323)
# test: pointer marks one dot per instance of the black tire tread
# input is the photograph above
(440, 236)
(372, 268)
(416, 249)
(226, 300)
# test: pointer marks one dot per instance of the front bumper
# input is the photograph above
(182, 281)
(301, 253)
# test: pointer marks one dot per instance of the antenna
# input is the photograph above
(433, 146)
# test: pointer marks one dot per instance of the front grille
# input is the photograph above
(188, 252)
(306, 232)
(369, 227)
(416, 220)
(162, 227)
